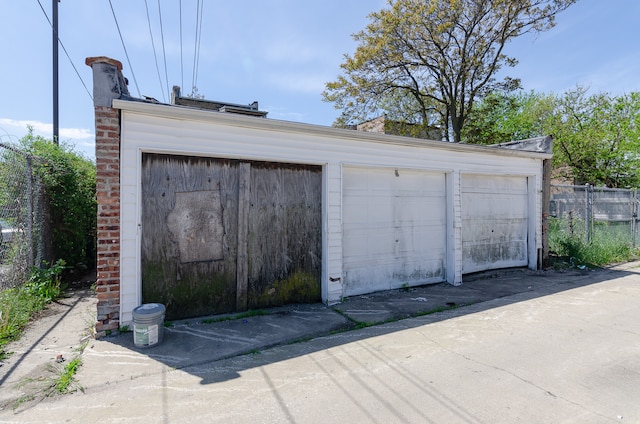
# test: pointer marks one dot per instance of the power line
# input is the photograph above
(164, 55)
(195, 49)
(153, 46)
(56, 85)
(181, 64)
(66, 52)
(196, 53)
(125, 48)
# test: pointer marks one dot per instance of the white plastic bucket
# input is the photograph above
(148, 324)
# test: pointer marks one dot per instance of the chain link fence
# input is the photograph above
(588, 212)
(21, 216)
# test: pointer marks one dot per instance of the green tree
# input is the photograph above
(501, 117)
(69, 182)
(438, 56)
(596, 137)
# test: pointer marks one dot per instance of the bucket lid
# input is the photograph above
(149, 309)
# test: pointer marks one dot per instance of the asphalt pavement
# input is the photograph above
(505, 346)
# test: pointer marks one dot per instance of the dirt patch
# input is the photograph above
(79, 280)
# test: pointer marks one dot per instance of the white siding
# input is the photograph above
(175, 130)
(454, 224)
(333, 239)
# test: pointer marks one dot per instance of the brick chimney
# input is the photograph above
(108, 84)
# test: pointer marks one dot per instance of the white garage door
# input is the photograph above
(394, 228)
(495, 222)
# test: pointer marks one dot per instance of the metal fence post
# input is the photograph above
(612, 207)
(18, 209)
(634, 217)
(588, 219)
(29, 217)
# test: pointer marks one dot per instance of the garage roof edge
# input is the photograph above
(182, 112)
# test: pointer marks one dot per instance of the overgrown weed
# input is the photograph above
(608, 245)
(19, 304)
(248, 314)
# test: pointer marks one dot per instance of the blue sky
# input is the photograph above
(278, 52)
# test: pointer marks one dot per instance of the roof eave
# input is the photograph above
(180, 112)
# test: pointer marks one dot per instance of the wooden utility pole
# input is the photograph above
(56, 128)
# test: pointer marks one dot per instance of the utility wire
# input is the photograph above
(164, 55)
(196, 54)
(125, 49)
(199, 41)
(181, 64)
(195, 49)
(66, 52)
(153, 46)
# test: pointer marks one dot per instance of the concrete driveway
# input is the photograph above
(563, 348)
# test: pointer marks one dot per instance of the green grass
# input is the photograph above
(19, 304)
(248, 314)
(65, 382)
(58, 380)
(359, 325)
(609, 244)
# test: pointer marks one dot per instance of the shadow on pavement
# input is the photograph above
(8, 371)
(200, 346)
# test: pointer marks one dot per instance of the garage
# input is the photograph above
(495, 222)
(223, 235)
(290, 212)
(394, 228)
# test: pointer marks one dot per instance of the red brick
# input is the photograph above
(108, 196)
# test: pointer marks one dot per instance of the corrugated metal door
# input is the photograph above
(495, 222)
(394, 228)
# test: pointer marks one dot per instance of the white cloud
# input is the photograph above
(19, 129)
(83, 139)
(76, 133)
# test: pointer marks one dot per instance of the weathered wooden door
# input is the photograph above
(224, 235)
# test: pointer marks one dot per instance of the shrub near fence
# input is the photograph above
(48, 199)
(592, 213)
